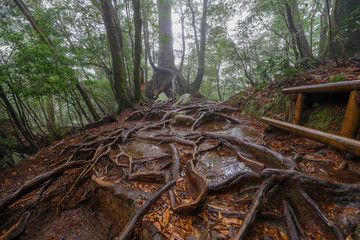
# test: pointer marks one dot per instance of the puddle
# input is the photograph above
(141, 149)
(230, 129)
(215, 167)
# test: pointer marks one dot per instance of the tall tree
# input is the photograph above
(324, 26)
(296, 28)
(112, 26)
(167, 78)
(138, 50)
(201, 50)
(166, 50)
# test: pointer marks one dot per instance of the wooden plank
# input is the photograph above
(339, 142)
(299, 109)
(352, 116)
(346, 86)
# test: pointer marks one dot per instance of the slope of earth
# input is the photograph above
(200, 171)
(324, 113)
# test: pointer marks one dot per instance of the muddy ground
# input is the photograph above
(232, 180)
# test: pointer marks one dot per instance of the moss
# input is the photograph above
(324, 120)
(337, 78)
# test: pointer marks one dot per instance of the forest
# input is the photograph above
(134, 119)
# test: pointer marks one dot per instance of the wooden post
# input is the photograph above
(352, 116)
(299, 108)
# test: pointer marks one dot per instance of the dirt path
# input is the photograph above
(225, 178)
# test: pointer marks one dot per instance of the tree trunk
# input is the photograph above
(295, 28)
(17, 122)
(111, 26)
(138, 50)
(324, 26)
(195, 86)
(51, 113)
(182, 20)
(217, 68)
(166, 78)
(166, 51)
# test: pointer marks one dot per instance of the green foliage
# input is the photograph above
(7, 145)
(261, 86)
(337, 78)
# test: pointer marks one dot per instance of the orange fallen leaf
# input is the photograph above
(166, 217)
(232, 221)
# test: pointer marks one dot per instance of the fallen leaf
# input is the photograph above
(166, 217)
(232, 221)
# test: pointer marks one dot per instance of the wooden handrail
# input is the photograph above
(345, 86)
(339, 142)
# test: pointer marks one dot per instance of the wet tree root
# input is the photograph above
(237, 180)
(255, 208)
(169, 140)
(292, 224)
(152, 177)
(176, 162)
(36, 183)
(201, 186)
(130, 227)
(322, 216)
(31, 210)
(284, 162)
(248, 161)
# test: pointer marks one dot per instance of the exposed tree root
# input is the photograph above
(201, 186)
(255, 208)
(130, 227)
(320, 213)
(292, 224)
(36, 183)
(31, 210)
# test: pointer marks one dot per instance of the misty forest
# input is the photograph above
(179, 119)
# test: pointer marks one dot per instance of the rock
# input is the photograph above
(182, 120)
(184, 99)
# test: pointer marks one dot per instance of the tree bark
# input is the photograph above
(108, 14)
(138, 50)
(182, 20)
(166, 51)
(324, 26)
(195, 86)
(295, 28)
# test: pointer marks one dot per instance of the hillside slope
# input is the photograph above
(325, 113)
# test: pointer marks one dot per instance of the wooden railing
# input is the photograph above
(351, 120)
